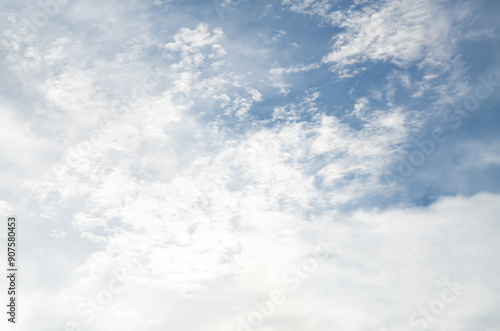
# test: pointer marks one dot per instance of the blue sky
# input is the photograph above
(179, 164)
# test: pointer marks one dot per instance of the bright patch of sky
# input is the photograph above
(174, 162)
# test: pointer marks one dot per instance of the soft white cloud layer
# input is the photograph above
(224, 255)
(399, 31)
(151, 158)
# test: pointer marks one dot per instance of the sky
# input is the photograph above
(238, 165)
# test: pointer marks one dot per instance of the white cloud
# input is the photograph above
(402, 32)
(398, 256)
(310, 7)
(391, 32)
(169, 174)
(277, 36)
(277, 79)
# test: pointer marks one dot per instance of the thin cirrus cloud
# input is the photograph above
(180, 160)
